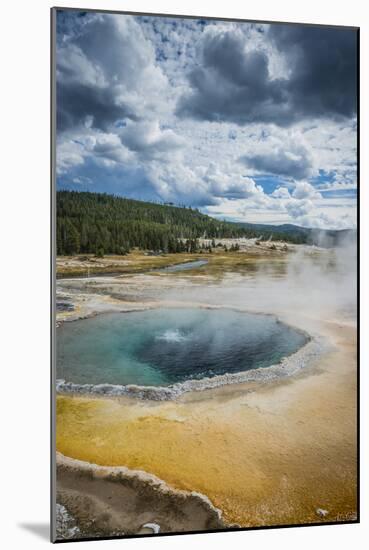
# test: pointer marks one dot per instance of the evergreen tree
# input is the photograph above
(91, 222)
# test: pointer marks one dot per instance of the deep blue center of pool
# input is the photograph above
(160, 347)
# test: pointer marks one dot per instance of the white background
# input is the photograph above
(24, 256)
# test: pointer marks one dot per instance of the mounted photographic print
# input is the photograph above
(204, 215)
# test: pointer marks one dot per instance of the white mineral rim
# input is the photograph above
(288, 366)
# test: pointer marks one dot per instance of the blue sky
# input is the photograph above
(247, 122)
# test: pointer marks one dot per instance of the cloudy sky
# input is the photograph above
(247, 122)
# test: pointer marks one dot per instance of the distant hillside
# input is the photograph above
(104, 224)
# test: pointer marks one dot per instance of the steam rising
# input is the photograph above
(310, 282)
(172, 336)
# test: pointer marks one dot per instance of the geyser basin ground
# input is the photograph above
(162, 347)
(266, 454)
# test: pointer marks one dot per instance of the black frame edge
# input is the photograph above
(53, 13)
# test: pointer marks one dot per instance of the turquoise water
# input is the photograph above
(183, 267)
(160, 347)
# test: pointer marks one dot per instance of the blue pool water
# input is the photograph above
(160, 347)
(182, 267)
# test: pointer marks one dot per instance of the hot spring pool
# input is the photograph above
(161, 347)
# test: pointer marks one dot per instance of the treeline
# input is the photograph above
(104, 224)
